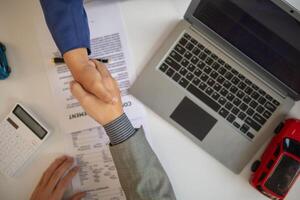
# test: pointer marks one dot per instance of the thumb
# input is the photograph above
(78, 196)
(78, 92)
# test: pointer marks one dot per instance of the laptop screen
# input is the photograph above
(261, 30)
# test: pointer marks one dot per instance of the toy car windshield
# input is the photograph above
(286, 171)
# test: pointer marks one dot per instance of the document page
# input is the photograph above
(85, 140)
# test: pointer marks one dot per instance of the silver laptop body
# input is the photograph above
(198, 113)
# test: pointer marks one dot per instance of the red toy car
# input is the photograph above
(279, 166)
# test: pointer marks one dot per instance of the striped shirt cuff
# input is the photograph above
(119, 130)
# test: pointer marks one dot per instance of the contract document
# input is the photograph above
(85, 140)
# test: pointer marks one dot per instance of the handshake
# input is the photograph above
(98, 92)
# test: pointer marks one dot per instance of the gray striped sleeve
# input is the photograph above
(119, 130)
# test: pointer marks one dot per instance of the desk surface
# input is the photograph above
(194, 174)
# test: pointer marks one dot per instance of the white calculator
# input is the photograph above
(20, 136)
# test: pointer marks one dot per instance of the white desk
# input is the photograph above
(194, 174)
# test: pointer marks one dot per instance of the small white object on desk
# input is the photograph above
(20, 136)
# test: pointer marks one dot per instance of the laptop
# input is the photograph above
(227, 75)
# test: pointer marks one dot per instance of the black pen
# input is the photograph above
(58, 60)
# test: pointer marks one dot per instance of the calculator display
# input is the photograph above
(30, 122)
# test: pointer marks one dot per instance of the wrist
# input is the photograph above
(76, 59)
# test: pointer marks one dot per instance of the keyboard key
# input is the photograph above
(245, 128)
(204, 77)
(234, 72)
(223, 112)
(189, 76)
(243, 107)
(228, 76)
(183, 41)
(228, 67)
(188, 55)
(207, 69)
(255, 95)
(196, 81)
(185, 62)
(233, 89)
(191, 68)
(195, 60)
(259, 119)
(250, 112)
(183, 71)
(242, 85)
(235, 110)
(203, 97)
(214, 74)
(240, 94)
(216, 66)
(269, 97)
(261, 92)
(163, 67)
(202, 86)
(230, 97)
(235, 80)
(220, 79)
(260, 109)
(248, 82)
(190, 46)
(194, 41)
(246, 99)
(196, 51)
(253, 104)
(248, 90)
(222, 101)
(228, 106)
(173, 64)
(221, 61)
(176, 56)
(207, 51)
(227, 84)
(170, 72)
(270, 106)
(237, 102)
(197, 72)
(187, 36)
(201, 65)
(222, 70)
(200, 46)
(236, 125)
(231, 118)
(209, 61)
(211, 82)
(253, 124)
(176, 77)
(215, 96)
(255, 87)
(242, 115)
(202, 56)
(267, 114)
(217, 87)
(183, 82)
(214, 56)
(209, 91)
(224, 92)
(241, 77)
(276, 103)
(180, 49)
(250, 135)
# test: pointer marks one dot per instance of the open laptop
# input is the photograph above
(227, 75)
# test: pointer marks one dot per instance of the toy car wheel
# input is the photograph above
(255, 166)
(279, 128)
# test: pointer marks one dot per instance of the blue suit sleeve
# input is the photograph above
(67, 22)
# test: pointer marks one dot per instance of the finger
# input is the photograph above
(78, 196)
(80, 93)
(64, 183)
(59, 173)
(102, 69)
(50, 170)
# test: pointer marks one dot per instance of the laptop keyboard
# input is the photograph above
(229, 93)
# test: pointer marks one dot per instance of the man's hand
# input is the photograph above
(100, 110)
(84, 72)
(56, 180)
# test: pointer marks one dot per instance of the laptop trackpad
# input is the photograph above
(193, 118)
